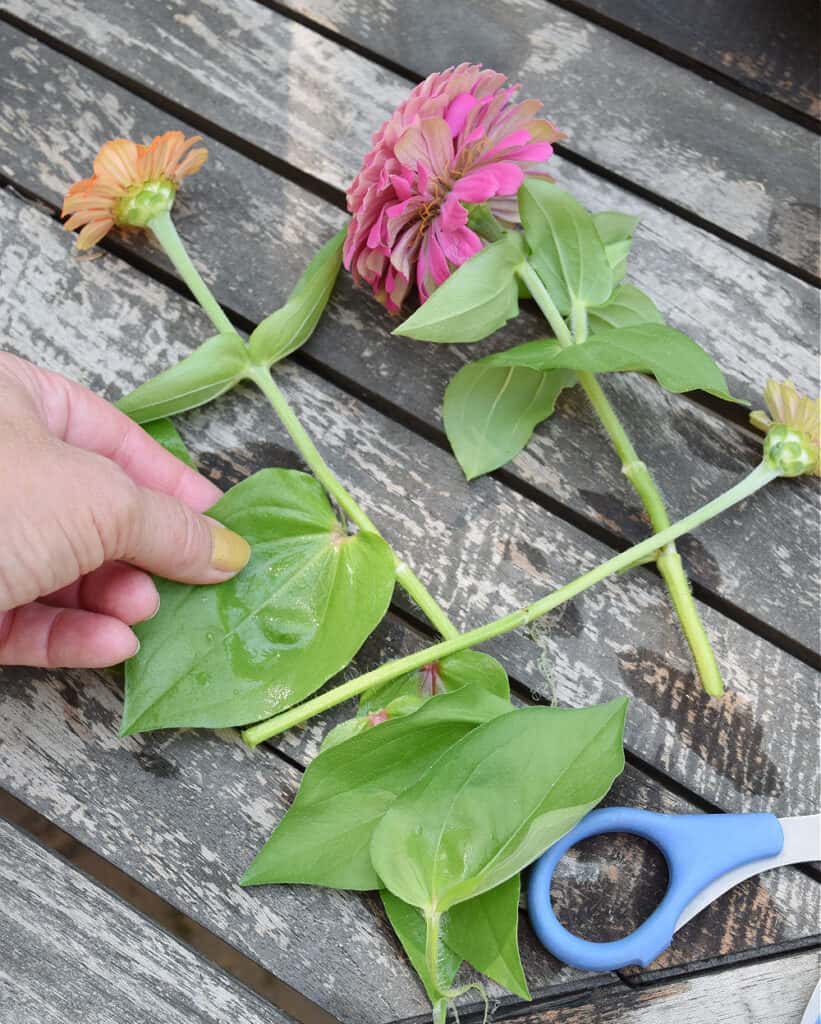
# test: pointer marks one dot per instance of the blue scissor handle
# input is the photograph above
(698, 849)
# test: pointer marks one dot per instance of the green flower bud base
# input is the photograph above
(789, 452)
(144, 202)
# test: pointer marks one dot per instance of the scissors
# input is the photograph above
(706, 855)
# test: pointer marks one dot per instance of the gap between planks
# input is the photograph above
(335, 196)
(172, 921)
(425, 430)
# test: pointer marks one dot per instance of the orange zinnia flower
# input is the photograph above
(131, 184)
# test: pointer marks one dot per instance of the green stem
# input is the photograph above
(754, 481)
(405, 576)
(166, 235)
(669, 561)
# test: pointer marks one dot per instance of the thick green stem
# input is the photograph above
(405, 576)
(754, 481)
(669, 562)
(166, 234)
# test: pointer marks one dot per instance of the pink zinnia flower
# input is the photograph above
(459, 138)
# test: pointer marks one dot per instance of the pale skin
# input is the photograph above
(90, 506)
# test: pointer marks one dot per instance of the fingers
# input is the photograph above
(81, 418)
(115, 589)
(166, 537)
(46, 637)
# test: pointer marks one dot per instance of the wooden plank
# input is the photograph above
(770, 992)
(236, 205)
(771, 49)
(183, 812)
(70, 951)
(483, 549)
(720, 156)
(307, 100)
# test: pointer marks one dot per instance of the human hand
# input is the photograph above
(88, 501)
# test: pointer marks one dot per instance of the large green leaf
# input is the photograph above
(285, 330)
(616, 232)
(166, 434)
(495, 801)
(465, 668)
(409, 926)
(490, 411)
(235, 652)
(675, 360)
(485, 932)
(211, 370)
(566, 250)
(324, 838)
(627, 307)
(476, 300)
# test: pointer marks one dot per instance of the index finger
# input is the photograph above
(83, 419)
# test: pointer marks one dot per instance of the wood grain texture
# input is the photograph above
(184, 812)
(237, 206)
(771, 992)
(770, 48)
(70, 951)
(482, 548)
(307, 100)
(633, 112)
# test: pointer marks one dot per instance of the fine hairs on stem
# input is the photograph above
(667, 559)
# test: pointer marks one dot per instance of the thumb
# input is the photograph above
(166, 537)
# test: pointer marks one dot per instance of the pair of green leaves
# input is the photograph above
(492, 406)
(460, 795)
(221, 362)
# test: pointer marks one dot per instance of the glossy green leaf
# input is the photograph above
(616, 232)
(211, 370)
(238, 651)
(324, 838)
(566, 250)
(166, 434)
(627, 306)
(485, 932)
(476, 300)
(495, 801)
(289, 327)
(465, 668)
(675, 360)
(409, 926)
(490, 411)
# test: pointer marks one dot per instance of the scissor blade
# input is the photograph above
(802, 843)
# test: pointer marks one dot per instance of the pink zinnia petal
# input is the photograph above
(460, 137)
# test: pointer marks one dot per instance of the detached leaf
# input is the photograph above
(495, 801)
(476, 300)
(485, 932)
(566, 250)
(490, 411)
(627, 306)
(616, 232)
(166, 434)
(324, 838)
(675, 360)
(211, 370)
(465, 668)
(409, 926)
(285, 330)
(239, 651)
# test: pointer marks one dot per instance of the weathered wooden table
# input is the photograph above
(716, 149)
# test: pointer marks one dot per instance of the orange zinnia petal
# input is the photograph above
(93, 232)
(117, 163)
